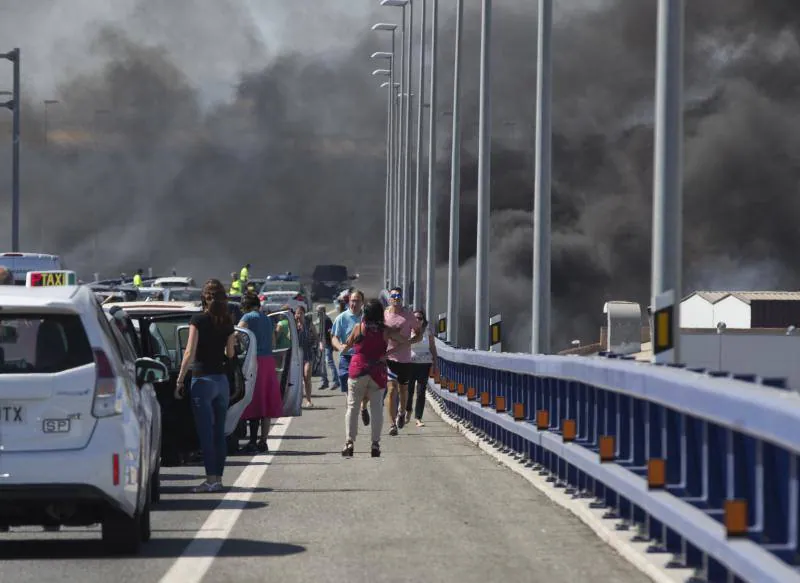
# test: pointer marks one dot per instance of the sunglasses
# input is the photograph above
(396, 296)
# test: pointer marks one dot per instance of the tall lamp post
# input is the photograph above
(390, 233)
(455, 186)
(430, 283)
(389, 141)
(14, 105)
(484, 184)
(406, 137)
(416, 266)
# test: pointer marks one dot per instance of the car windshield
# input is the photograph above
(185, 295)
(330, 273)
(42, 343)
(276, 286)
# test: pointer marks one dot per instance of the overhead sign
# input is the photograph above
(50, 278)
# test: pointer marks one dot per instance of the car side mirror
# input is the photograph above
(151, 371)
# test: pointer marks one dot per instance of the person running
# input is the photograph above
(367, 373)
(307, 339)
(266, 403)
(399, 317)
(342, 327)
(327, 352)
(211, 337)
(423, 359)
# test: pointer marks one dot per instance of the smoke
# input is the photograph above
(200, 135)
(741, 159)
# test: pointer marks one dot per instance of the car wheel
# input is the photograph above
(155, 484)
(144, 521)
(122, 534)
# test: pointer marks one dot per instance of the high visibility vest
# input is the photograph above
(244, 274)
(236, 288)
(137, 280)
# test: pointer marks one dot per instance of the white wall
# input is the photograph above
(763, 354)
(697, 312)
(733, 311)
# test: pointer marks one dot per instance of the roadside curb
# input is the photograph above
(653, 565)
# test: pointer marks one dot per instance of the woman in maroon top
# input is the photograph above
(367, 373)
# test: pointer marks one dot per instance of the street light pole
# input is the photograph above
(407, 264)
(667, 184)
(417, 266)
(430, 283)
(14, 105)
(484, 184)
(455, 186)
(540, 324)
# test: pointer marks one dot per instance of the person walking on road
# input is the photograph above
(399, 317)
(342, 327)
(327, 352)
(211, 338)
(307, 339)
(423, 359)
(367, 373)
(266, 403)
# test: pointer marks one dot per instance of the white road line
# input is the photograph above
(195, 561)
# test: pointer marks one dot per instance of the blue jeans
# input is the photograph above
(328, 363)
(210, 397)
(344, 370)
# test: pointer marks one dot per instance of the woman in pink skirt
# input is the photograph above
(266, 403)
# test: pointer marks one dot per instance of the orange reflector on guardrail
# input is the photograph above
(543, 420)
(485, 399)
(500, 404)
(519, 411)
(569, 430)
(606, 448)
(472, 394)
(460, 388)
(452, 386)
(656, 473)
(736, 517)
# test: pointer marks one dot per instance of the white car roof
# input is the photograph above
(76, 297)
(138, 307)
(174, 279)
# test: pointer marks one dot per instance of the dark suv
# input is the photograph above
(329, 280)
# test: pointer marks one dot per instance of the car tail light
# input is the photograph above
(106, 403)
(261, 297)
(115, 468)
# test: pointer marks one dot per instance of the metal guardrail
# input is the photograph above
(705, 466)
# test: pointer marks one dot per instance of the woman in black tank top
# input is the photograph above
(211, 339)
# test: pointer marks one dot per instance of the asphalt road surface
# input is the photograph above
(432, 508)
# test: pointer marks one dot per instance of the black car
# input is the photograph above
(328, 280)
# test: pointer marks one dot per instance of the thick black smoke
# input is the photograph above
(287, 170)
(742, 158)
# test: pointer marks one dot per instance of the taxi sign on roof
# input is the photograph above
(50, 278)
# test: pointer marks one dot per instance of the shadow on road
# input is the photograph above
(208, 504)
(156, 548)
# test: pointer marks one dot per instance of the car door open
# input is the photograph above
(288, 363)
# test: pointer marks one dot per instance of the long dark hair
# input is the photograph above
(373, 314)
(424, 319)
(215, 303)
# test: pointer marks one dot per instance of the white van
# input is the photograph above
(21, 263)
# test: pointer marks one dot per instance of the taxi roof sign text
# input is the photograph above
(50, 278)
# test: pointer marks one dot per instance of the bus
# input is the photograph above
(21, 263)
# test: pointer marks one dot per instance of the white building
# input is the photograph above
(707, 309)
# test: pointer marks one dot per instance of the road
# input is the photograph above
(432, 508)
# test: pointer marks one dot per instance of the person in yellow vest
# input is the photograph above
(244, 274)
(137, 278)
(236, 286)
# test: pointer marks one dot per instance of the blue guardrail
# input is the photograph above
(704, 466)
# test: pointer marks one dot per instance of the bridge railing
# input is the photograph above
(705, 467)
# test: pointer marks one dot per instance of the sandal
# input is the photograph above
(348, 449)
(420, 423)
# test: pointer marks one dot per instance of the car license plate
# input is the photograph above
(11, 414)
(55, 426)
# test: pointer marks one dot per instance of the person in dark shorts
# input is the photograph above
(399, 317)
(308, 339)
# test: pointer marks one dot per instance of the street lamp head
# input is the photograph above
(381, 72)
(382, 55)
(51, 101)
(394, 2)
(386, 84)
(384, 26)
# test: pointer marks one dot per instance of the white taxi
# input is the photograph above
(80, 429)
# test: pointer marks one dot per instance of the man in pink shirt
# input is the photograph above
(400, 363)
